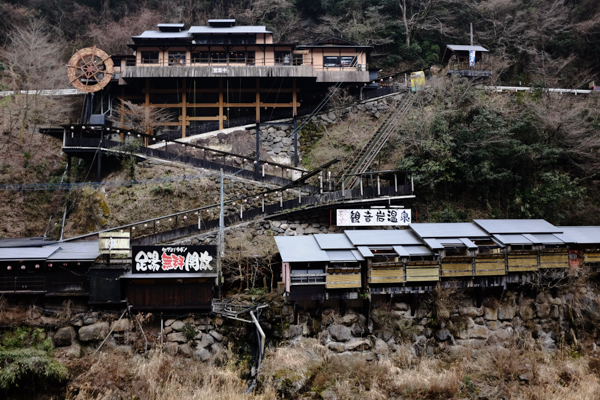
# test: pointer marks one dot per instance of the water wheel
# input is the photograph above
(90, 69)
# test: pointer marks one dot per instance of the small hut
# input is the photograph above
(466, 61)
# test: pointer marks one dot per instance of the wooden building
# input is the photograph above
(467, 61)
(223, 71)
(39, 267)
(483, 253)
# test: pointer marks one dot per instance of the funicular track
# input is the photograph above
(367, 155)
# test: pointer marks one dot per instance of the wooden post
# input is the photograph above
(147, 110)
(220, 103)
(257, 100)
(294, 99)
(122, 115)
(184, 108)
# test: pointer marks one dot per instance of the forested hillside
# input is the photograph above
(534, 41)
(474, 154)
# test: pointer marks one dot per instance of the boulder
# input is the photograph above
(178, 326)
(471, 312)
(543, 310)
(340, 333)
(526, 313)
(185, 350)
(64, 336)
(169, 322)
(336, 347)
(171, 348)
(121, 325)
(206, 340)
(401, 307)
(97, 331)
(350, 319)
(479, 332)
(490, 314)
(381, 347)
(506, 312)
(295, 331)
(358, 345)
(442, 335)
(177, 337)
(201, 355)
(218, 337)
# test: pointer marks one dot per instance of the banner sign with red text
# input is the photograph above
(173, 259)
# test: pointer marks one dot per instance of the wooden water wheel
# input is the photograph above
(90, 69)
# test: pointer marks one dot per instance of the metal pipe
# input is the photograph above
(263, 338)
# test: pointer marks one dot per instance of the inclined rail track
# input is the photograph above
(375, 144)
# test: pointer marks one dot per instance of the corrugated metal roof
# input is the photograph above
(382, 237)
(341, 255)
(512, 239)
(27, 253)
(221, 21)
(401, 251)
(580, 234)
(516, 226)
(170, 25)
(418, 250)
(357, 255)
(449, 230)
(468, 243)
(300, 249)
(229, 29)
(163, 35)
(433, 244)
(333, 241)
(25, 242)
(449, 242)
(365, 251)
(76, 251)
(460, 47)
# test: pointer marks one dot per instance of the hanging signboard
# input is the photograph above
(113, 242)
(173, 259)
(374, 217)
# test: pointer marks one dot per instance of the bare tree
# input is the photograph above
(139, 117)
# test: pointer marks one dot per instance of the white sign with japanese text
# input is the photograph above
(374, 217)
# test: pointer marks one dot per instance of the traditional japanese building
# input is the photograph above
(221, 74)
(482, 253)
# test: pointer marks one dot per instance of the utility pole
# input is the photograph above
(220, 242)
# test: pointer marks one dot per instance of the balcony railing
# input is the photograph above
(244, 61)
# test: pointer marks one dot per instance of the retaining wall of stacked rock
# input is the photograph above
(543, 322)
(279, 141)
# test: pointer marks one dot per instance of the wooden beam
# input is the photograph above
(169, 123)
(294, 98)
(257, 102)
(183, 108)
(122, 114)
(215, 118)
(147, 110)
(221, 103)
(216, 90)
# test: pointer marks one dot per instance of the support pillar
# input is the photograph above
(294, 98)
(122, 115)
(295, 141)
(100, 159)
(257, 165)
(257, 100)
(220, 103)
(147, 109)
(184, 108)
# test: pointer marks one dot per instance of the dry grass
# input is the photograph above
(157, 376)
(491, 373)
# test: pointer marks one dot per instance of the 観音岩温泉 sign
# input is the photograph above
(165, 259)
(374, 217)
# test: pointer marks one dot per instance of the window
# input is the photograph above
(237, 57)
(176, 57)
(219, 57)
(201, 57)
(149, 57)
(298, 60)
(283, 57)
(307, 276)
(250, 57)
